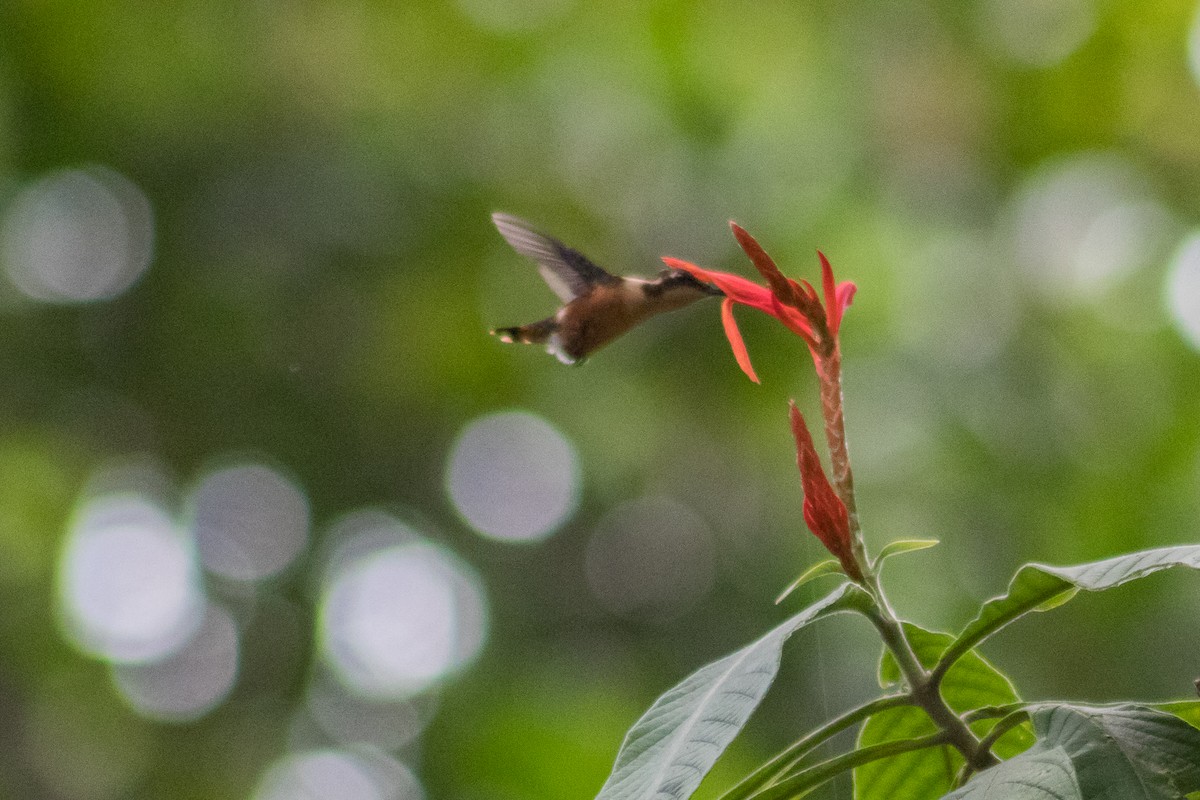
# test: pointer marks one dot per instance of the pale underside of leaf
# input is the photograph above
(1123, 752)
(1038, 774)
(672, 747)
(1118, 752)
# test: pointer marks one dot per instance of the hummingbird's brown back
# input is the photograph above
(599, 306)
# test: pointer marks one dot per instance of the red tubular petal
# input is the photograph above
(833, 312)
(780, 285)
(739, 289)
(735, 339)
(794, 321)
(845, 294)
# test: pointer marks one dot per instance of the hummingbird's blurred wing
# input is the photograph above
(568, 272)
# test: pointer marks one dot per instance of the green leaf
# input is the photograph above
(903, 546)
(927, 774)
(830, 566)
(672, 747)
(1037, 586)
(1186, 710)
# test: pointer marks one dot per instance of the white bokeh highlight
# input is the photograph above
(1036, 33)
(338, 775)
(513, 477)
(1183, 290)
(652, 558)
(128, 588)
(1193, 46)
(1082, 225)
(350, 719)
(250, 522)
(513, 16)
(187, 684)
(398, 616)
(76, 236)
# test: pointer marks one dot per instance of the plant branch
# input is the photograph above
(786, 760)
(992, 712)
(801, 782)
(986, 744)
(925, 691)
(924, 687)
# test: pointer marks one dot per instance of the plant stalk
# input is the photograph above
(787, 759)
(925, 692)
(798, 785)
(925, 688)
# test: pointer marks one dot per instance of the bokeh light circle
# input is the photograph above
(1194, 46)
(1183, 289)
(513, 476)
(338, 775)
(250, 522)
(1037, 33)
(190, 683)
(1084, 224)
(513, 16)
(348, 718)
(127, 582)
(651, 558)
(398, 619)
(76, 236)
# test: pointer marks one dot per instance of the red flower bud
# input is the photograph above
(824, 512)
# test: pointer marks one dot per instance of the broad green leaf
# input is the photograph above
(1123, 751)
(672, 747)
(1186, 710)
(830, 566)
(1037, 774)
(1037, 586)
(927, 774)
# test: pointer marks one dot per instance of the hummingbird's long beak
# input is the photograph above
(677, 278)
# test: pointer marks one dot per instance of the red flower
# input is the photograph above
(824, 512)
(793, 303)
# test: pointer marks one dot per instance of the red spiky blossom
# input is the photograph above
(794, 303)
(830, 514)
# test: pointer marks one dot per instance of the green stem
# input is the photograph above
(785, 761)
(925, 691)
(992, 712)
(801, 782)
(988, 742)
(924, 687)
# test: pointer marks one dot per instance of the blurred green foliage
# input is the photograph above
(324, 274)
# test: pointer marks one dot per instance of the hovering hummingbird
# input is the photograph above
(597, 306)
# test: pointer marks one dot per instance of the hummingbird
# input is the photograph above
(597, 306)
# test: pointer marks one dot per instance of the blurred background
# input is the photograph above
(278, 518)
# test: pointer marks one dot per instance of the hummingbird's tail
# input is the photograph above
(533, 333)
(541, 332)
